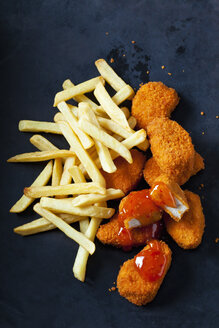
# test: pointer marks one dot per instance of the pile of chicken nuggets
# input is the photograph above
(174, 160)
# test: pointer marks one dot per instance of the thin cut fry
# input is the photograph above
(86, 141)
(85, 112)
(124, 93)
(38, 126)
(57, 172)
(41, 225)
(65, 206)
(85, 200)
(40, 156)
(106, 139)
(79, 89)
(41, 180)
(42, 143)
(126, 112)
(110, 107)
(66, 228)
(81, 153)
(71, 189)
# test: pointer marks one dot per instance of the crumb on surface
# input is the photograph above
(112, 60)
(107, 33)
(133, 42)
(148, 72)
(169, 73)
(217, 116)
(202, 113)
(203, 132)
(216, 240)
(140, 85)
(183, 70)
(123, 55)
(112, 289)
(162, 66)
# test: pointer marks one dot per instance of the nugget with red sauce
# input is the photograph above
(139, 279)
(153, 100)
(188, 232)
(127, 176)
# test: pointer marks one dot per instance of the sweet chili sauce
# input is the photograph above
(161, 195)
(151, 262)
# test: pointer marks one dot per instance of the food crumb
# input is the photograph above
(112, 289)
(217, 240)
(140, 85)
(169, 73)
(162, 66)
(133, 42)
(148, 72)
(202, 113)
(123, 55)
(111, 60)
(107, 33)
(217, 116)
(203, 132)
(183, 71)
(201, 186)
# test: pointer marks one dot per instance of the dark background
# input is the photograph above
(42, 44)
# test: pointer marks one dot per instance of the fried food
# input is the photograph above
(127, 176)
(152, 171)
(188, 232)
(109, 233)
(172, 148)
(133, 287)
(153, 100)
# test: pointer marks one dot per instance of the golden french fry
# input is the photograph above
(106, 139)
(42, 143)
(41, 225)
(71, 189)
(59, 117)
(40, 156)
(110, 107)
(57, 172)
(86, 141)
(78, 89)
(126, 112)
(38, 126)
(124, 93)
(65, 206)
(81, 153)
(66, 176)
(85, 200)
(85, 112)
(41, 180)
(66, 228)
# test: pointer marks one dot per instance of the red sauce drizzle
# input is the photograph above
(161, 195)
(151, 262)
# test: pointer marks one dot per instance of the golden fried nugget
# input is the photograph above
(127, 176)
(133, 287)
(188, 232)
(152, 171)
(153, 100)
(171, 147)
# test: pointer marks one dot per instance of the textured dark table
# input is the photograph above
(45, 42)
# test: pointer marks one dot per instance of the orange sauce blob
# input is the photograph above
(161, 195)
(151, 262)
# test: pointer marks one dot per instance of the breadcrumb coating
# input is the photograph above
(135, 289)
(127, 176)
(152, 171)
(172, 148)
(153, 100)
(188, 232)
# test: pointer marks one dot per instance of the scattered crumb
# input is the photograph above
(217, 240)
(169, 73)
(107, 33)
(162, 66)
(112, 289)
(133, 42)
(123, 55)
(217, 116)
(183, 71)
(202, 113)
(114, 282)
(203, 132)
(148, 72)
(140, 85)
(201, 186)
(111, 60)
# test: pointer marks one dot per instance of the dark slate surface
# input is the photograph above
(45, 42)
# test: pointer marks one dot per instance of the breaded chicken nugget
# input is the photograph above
(133, 287)
(152, 171)
(127, 176)
(109, 233)
(171, 147)
(153, 100)
(188, 232)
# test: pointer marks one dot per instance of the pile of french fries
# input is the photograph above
(96, 134)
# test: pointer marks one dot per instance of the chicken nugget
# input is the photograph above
(134, 287)
(152, 171)
(153, 100)
(188, 232)
(127, 176)
(172, 148)
(110, 233)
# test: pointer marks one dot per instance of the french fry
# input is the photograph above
(85, 200)
(66, 176)
(66, 228)
(40, 156)
(86, 141)
(110, 107)
(109, 75)
(78, 89)
(106, 139)
(81, 153)
(85, 112)
(38, 126)
(57, 172)
(126, 112)
(41, 180)
(41, 224)
(65, 206)
(59, 117)
(124, 93)
(70, 189)
(42, 143)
